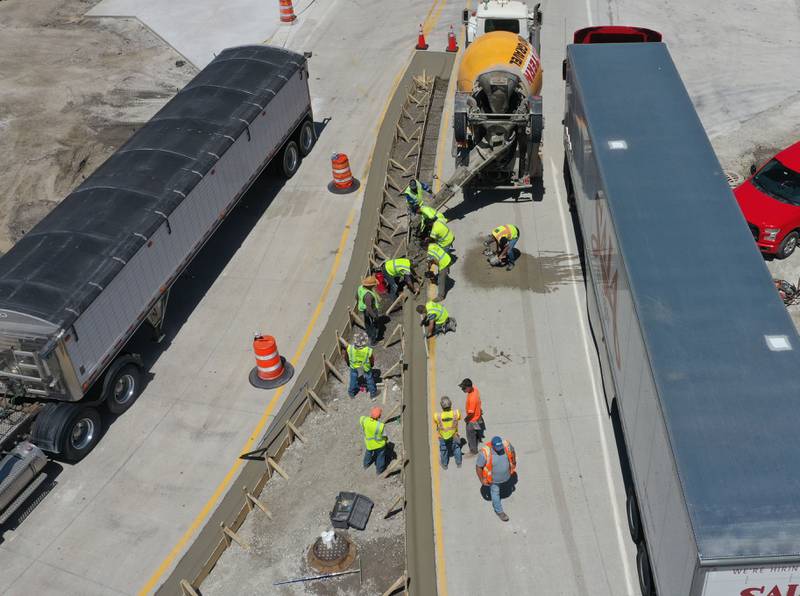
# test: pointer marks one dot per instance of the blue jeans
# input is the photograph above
(354, 388)
(494, 490)
(392, 283)
(510, 253)
(378, 456)
(446, 446)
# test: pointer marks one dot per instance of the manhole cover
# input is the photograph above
(734, 179)
(336, 555)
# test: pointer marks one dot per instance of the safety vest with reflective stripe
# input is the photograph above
(487, 451)
(440, 255)
(398, 267)
(362, 291)
(359, 357)
(373, 433)
(412, 197)
(439, 311)
(442, 234)
(430, 214)
(507, 231)
(447, 423)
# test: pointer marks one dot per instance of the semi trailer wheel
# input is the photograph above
(70, 430)
(122, 388)
(290, 160)
(634, 519)
(306, 137)
(645, 573)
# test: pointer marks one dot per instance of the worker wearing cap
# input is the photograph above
(374, 439)
(358, 356)
(504, 239)
(414, 194)
(368, 305)
(495, 467)
(435, 318)
(446, 424)
(442, 259)
(399, 271)
(442, 235)
(473, 418)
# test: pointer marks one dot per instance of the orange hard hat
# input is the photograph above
(376, 412)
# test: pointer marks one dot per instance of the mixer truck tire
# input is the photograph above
(634, 519)
(290, 159)
(306, 137)
(121, 388)
(644, 571)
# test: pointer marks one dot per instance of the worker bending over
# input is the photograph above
(435, 318)
(442, 259)
(495, 467)
(358, 356)
(414, 194)
(399, 271)
(374, 440)
(368, 305)
(442, 235)
(427, 215)
(504, 239)
(446, 424)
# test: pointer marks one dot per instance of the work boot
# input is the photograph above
(509, 267)
(502, 515)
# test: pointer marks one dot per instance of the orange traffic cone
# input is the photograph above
(421, 43)
(287, 11)
(451, 41)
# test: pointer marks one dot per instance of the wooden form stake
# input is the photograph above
(388, 341)
(380, 253)
(400, 503)
(317, 400)
(230, 536)
(330, 368)
(394, 413)
(293, 432)
(401, 298)
(251, 501)
(399, 583)
(273, 465)
(393, 183)
(388, 373)
(395, 466)
(400, 247)
(387, 223)
(354, 318)
(187, 589)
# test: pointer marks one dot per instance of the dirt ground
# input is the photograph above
(72, 90)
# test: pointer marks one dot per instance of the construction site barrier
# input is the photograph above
(271, 369)
(343, 181)
(220, 530)
(287, 11)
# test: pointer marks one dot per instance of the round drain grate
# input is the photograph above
(337, 555)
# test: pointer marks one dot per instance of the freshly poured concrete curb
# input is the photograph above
(419, 518)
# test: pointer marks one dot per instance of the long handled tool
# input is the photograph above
(315, 577)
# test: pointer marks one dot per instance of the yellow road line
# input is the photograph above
(256, 432)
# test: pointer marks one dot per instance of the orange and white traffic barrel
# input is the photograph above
(343, 181)
(271, 369)
(287, 11)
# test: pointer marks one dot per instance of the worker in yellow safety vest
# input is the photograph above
(368, 305)
(442, 259)
(374, 439)
(496, 468)
(358, 356)
(435, 318)
(441, 235)
(504, 239)
(397, 271)
(446, 424)
(414, 193)
(427, 215)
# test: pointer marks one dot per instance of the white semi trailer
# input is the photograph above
(76, 287)
(698, 355)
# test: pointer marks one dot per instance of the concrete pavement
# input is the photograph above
(119, 520)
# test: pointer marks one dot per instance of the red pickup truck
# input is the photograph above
(770, 202)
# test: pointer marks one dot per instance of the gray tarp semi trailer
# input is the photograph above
(76, 287)
(696, 348)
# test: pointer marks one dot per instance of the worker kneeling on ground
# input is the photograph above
(504, 239)
(368, 305)
(446, 424)
(414, 194)
(496, 465)
(399, 271)
(442, 259)
(374, 440)
(358, 356)
(435, 318)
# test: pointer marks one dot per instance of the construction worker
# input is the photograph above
(442, 259)
(446, 424)
(427, 215)
(368, 305)
(374, 439)
(441, 235)
(435, 318)
(473, 418)
(495, 467)
(414, 194)
(358, 356)
(504, 239)
(397, 271)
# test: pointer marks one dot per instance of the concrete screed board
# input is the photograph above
(82, 280)
(693, 340)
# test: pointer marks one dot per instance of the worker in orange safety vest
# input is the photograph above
(496, 467)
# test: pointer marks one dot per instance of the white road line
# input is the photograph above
(599, 400)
